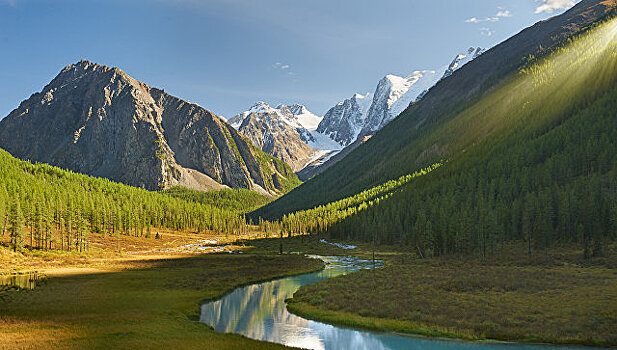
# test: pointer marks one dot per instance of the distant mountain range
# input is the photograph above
(304, 140)
(466, 119)
(286, 132)
(99, 121)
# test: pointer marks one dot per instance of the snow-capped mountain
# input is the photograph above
(300, 138)
(286, 132)
(343, 122)
(304, 117)
(296, 116)
(365, 114)
(394, 94)
(463, 59)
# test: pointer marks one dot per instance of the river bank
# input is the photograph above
(131, 301)
(557, 299)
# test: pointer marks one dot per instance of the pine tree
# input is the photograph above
(17, 220)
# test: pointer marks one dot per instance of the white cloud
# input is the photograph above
(283, 68)
(480, 20)
(549, 6)
(501, 13)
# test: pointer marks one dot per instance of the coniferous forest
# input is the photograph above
(535, 161)
(476, 201)
(49, 208)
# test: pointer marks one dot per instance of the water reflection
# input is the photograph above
(259, 312)
(19, 281)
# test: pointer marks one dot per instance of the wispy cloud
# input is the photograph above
(486, 31)
(11, 3)
(549, 6)
(501, 13)
(286, 68)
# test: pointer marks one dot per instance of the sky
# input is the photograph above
(227, 54)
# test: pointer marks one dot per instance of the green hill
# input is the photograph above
(416, 139)
(61, 206)
(534, 159)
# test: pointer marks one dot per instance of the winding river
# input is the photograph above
(258, 311)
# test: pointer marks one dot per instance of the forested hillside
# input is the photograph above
(537, 162)
(239, 200)
(416, 139)
(60, 208)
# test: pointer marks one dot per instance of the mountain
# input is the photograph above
(100, 121)
(351, 121)
(393, 95)
(456, 115)
(307, 142)
(329, 159)
(276, 131)
(533, 161)
(285, 132)
(363, 115)
(343, 122)
(463, 59)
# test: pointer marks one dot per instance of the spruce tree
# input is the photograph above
(17, 223)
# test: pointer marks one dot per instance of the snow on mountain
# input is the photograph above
(305, 118)
(462, 59)
(297, 115)
(394, 94)
(360, 115)
(259, 107)
(278, 131)
(343, 122)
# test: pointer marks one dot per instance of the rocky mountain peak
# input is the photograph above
(343, 122)
(98, 120)
(462, 59)
(277, 131)
(298, 109)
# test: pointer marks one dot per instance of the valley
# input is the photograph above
(469, 205)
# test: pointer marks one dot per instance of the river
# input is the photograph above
(258, 311)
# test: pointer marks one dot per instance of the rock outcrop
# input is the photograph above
(99, 121)
(273, 131)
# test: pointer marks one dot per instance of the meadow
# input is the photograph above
(140, 298)
(557, 297)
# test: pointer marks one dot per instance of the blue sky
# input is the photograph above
(227, 54)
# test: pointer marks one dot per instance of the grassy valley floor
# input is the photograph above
(148, 299)
(557, 298)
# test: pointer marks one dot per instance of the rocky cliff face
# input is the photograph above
(363, 115)
(343, 122)
(277, 132)
(393, 95)
(98, 120)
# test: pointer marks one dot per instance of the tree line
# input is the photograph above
(45, 207)
(534, 161)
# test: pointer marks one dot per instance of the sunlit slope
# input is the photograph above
(322, 217)
(418, 138)
(538, 163)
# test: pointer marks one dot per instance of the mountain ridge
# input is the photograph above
(392, 152)
(100, 121)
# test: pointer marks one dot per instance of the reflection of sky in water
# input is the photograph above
(258, 311)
